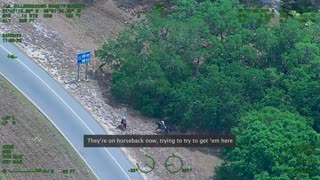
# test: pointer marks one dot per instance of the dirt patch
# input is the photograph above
(34, 137)
(53, 44)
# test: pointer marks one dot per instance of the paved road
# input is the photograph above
(69, 117)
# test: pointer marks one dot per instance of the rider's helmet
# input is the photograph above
(123, 117)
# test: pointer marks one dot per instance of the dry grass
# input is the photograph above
(33, 136)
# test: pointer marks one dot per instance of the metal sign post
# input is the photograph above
(78, 72)
(86, 72)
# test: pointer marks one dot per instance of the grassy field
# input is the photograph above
(37, 140)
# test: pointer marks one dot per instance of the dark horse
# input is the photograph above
(165, 129)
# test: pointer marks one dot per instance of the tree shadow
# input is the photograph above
(213, 151)
(104, 81)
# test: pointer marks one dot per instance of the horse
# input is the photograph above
(123, 124)
(165, 129)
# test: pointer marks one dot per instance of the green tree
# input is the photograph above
(202, 67)
(267, 143)
(211, 103)
(299, 5)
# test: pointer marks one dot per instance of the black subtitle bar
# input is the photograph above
(159, 141)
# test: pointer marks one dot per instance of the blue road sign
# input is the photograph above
(84, 57)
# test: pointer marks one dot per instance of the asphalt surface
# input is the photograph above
(68, 116)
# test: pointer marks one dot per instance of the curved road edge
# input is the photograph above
(24, 63)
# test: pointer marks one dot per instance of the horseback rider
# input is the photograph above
(163, 126)
(124, 122)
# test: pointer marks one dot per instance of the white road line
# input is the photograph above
(50, 120)
(68, 108)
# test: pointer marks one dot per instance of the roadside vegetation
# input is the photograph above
(36, 139)
(206, 69)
